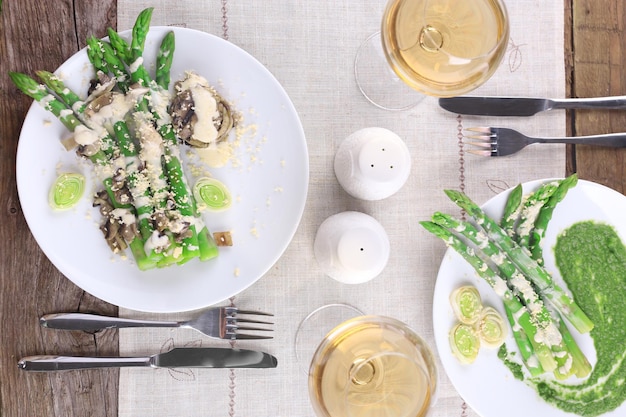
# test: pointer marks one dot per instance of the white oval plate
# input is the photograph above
(487, 385)
(269, 184)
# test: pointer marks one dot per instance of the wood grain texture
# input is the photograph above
(598, 60)
(37, 36)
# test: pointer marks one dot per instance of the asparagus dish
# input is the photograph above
(522, 254)
(156, 177)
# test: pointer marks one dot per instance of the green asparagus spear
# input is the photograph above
(512, 209)
(69, 97)
(115, 65)
(96, 55)
(140, 32)
(545, 215)
(120, 46)
(580, 364)
(529, 267)
(524, 345)
(530, 211)
(122, 51)
(138, 72)
(164, 60)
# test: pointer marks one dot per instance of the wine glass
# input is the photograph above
(372, 365)
(440, 48)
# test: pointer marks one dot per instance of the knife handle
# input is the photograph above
(66, 363)
(82, 321)
(616, 102)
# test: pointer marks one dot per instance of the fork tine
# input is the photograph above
(481, 153)
(236, 328)
(235, 311)
(482, 139)
(241, 320)
(243, 336)
(255, 313)
(482, 130)
(485, 144)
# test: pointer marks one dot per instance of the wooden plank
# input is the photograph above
(38, 36)
(598, 40)
(568, 46)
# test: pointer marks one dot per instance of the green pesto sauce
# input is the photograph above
(506, 357)
(592, 260)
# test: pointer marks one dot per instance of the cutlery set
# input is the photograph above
(218, 323)
(493, 141)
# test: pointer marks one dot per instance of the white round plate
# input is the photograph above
(269, 184)
(487, 385)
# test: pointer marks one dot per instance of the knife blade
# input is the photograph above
(524, 106)
(175, 358)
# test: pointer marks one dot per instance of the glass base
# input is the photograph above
(377, 81)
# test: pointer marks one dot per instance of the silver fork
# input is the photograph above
(218, 323)
(500, 141)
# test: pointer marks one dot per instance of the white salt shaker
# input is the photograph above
(351, 247)
(372, 163)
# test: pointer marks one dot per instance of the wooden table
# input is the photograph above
(38, 36)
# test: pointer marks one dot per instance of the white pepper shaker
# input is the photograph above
(372, 163)
(351, 247)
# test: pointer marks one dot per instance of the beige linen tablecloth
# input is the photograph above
(310, 47)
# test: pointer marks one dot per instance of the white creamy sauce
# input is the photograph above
(216, 155)
(500, 288)
(205, 107)
(65, 112)
(125, 216)
(85, 136)
(134, 66)
(549, 335)
(151, 151)
(159, 101)
(156, 241)
(117, 109)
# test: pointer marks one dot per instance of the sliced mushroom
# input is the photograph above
(87, 150)
(116, 228)
(101, 199)
(123, 196)
(160, 221)
(129, 232)
(110, 228)
(181, 229)
(182, 113)
(98, 103)
(103, 83)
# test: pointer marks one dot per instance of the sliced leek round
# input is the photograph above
(466, 304)
(464, 342)
(66, 191)
(211, 194)
(492, 328)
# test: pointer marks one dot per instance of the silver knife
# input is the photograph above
(175, 358)
(524, 106)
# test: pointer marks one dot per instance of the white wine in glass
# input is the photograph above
(441, 48)
(372, 366)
